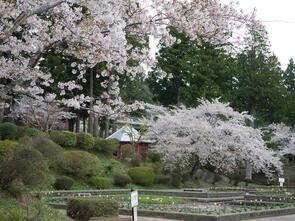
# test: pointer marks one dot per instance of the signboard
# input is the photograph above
(134, 215)
(134, 204)
(281, 181)
(134, 198)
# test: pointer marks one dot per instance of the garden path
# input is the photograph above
(277, 218)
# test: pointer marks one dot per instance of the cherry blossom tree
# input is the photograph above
(283, 137)
(215, 134)
(95, 32)
(43, 113)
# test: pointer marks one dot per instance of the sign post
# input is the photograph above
(134, 204)
(281, 181)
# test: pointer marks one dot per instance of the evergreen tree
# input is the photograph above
(195, 69)
(289, 84)
(258, 87)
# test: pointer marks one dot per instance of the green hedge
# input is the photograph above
(84, 209)
(63, 183)
(142, 175)
(101, 182)
(80, 164)
(6, 149)
(85, 141)
(49, 149)
(105, 146)
(121, 179)
(27, 131)
(162, 179)
(8, 131)
(64, 138)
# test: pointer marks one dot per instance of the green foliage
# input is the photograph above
(162, 179)
(50, 150)
(6, 149)
(127, 151)
(23, 131)
(27, 165)
(31, 132)
(176, 179)
(105, 146)
(28, 209)
(135, 161)
(8, 131)
(101, 182)
(121, 179)
(206, 68)
(85, 141)
(84, 209)
(154, 156)
(63, 183)
(64, 138)
(142, 175)
(80, 164)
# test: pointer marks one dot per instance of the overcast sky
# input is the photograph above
(279, 18)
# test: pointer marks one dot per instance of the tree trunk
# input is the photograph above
(195, 167)
(84, 124)
(95, 126)
(248, 171)
(78, 124)
(90, 119)
(107, 127)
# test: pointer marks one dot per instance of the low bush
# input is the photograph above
(80, 164)
(101, 182)
(142, 175)
(64, 138)
(154, 156)
(121, 179)
(23, 131)
(162, 179)
(50, 150)
(135, 161)
(63, 183)
(176, 179)
(127, 151)
(84, 209)
(85, 141)
(6, 149)
(105, 146)
(8, 131)
(25, 164)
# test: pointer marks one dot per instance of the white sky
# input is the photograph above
(279, 18)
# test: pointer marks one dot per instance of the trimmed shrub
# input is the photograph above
(50, 150)
(23, 131)
(84, 209)
(6, 149)
(64, 138)
(31, 132)
(27, 165)
(162, 179)
(85, 141)
(101, 182)
(63, 183)
(80, 164)
(154, 156)
(8, 131)
(121, 179)
(135, 161)
(105, 146)
(127, 151)
(142, 175)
